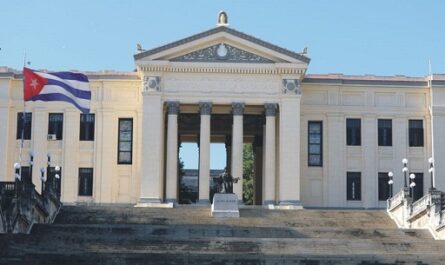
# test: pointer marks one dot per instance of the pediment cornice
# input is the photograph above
(221, 35)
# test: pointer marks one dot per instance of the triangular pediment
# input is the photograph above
(222, 44)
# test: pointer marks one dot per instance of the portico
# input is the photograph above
(222, 86)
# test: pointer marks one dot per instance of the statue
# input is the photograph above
(222, 19)
(224, 182)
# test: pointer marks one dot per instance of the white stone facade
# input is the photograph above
(193, 76)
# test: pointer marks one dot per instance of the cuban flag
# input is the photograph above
(59, 86)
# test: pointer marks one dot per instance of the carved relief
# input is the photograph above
(221, 52)
(205, 108)
(270, 109)
(291, 86)
(151, 83)
(173, 107)
(238, 108)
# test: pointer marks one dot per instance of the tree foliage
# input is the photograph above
(248, 174)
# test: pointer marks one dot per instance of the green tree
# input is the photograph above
(248, 174)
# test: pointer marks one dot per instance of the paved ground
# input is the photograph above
(124, 235)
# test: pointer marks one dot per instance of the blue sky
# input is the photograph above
(381, 37)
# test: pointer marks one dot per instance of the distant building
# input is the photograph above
(319, 140)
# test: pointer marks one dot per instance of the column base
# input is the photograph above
(174, 201)
(203, 202)
(153, 203)
(289, 205)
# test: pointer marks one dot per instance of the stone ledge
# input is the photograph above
(154, 205)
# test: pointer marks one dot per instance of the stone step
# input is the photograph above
(201, 231)
(118, 235)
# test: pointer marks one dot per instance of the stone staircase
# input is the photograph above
(188, 235)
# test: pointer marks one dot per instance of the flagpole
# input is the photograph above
(430, 86)
(23, 116)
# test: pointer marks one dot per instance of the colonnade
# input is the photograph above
(236, 151)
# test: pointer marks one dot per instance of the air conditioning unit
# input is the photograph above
(52, 137)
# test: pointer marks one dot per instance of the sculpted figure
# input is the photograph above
(222, 18)
(225, 182)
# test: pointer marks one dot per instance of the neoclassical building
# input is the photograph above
(320, 140)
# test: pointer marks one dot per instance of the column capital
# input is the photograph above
(271, 109)
(173, 107)
(205, 108)
(238, 108)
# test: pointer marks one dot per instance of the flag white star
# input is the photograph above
(34, 84)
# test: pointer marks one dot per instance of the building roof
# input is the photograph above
(92, 75)
(234, 32)
(397, 80)
(335, 78)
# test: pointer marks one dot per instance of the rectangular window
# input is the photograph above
(383, 186)
(86, 127)
(385, 132)
(415, 132)
(55, 125)
(315, 135)
(353, 132)
(125, 141)
(85, 182)
(26, 124)
(52, 174)
(26, 174)
(418, 189)
(353, 186)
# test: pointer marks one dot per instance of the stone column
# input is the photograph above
(400, 146)
(258, 180)
(334, 185)
(152, 148)
(105, 163)
(70, 157)
(289, 156)
(237, 148)
(5, 168)
(39, 144)
(204, 152)
(228, 143)
(269, 155)
(369, 156)
(172, 152)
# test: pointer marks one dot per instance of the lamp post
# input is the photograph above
(431, 170)
(405, 171)
(17, 171)
(412, 184)
(42, 178)
(390, 183)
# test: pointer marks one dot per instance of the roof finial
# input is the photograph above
(223, 19)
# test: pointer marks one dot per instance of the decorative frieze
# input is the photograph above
(238, 108)
(151, 83)
(270, 109)
(222, 52)
(205, 108)
(233, 69)
(291, 86)
(172, 107)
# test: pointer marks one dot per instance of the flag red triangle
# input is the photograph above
(33, 83)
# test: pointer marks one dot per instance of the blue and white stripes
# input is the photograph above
(66, 86)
